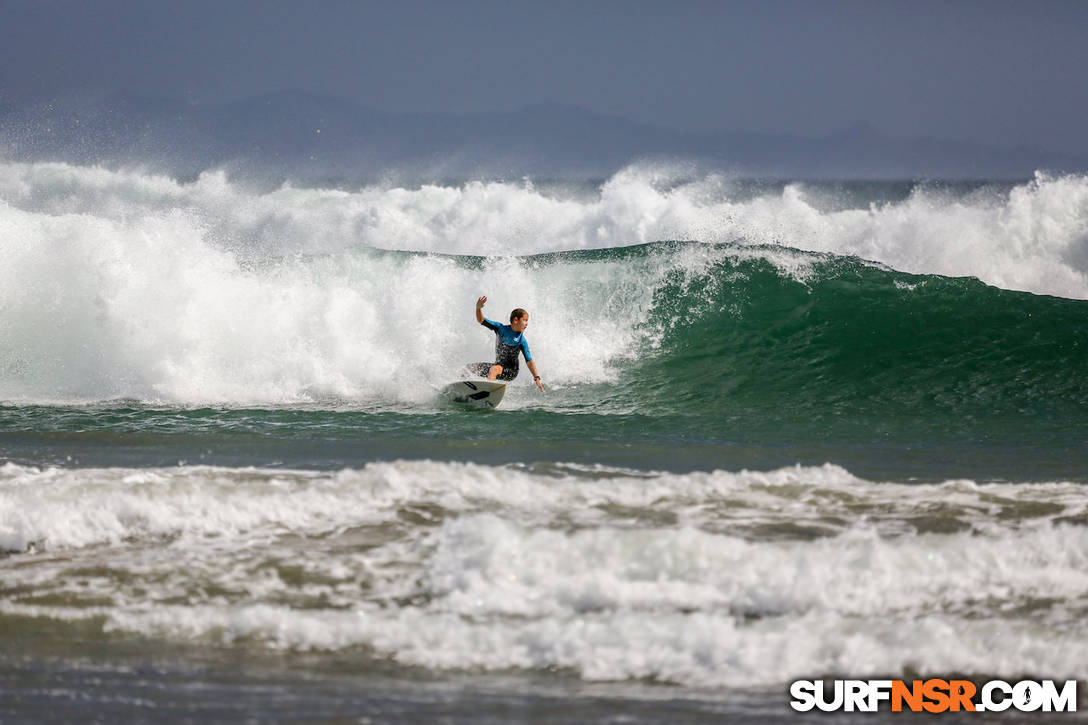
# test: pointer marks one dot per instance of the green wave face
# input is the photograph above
(844, 343)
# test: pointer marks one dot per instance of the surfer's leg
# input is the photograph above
(494, 372)
(478, 369)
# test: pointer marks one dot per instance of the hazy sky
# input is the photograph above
(1012, 73)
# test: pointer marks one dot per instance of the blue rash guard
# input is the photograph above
(507, 345)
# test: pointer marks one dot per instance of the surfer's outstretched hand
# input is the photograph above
(539, 384)
(480, 302)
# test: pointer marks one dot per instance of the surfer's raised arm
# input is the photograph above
(480, 309)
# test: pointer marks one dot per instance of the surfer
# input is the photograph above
(509, 341)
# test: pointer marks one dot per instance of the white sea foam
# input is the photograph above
(1033, 238)
(66, 508)
(708, 579)
(127, 284)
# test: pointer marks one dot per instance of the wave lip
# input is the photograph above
(1028, 237)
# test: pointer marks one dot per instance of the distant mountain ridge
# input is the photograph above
(310, 136)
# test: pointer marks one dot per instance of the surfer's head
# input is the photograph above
(519, 320)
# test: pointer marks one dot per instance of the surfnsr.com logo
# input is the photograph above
(933, 695)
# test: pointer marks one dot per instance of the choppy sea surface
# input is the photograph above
(791, 430)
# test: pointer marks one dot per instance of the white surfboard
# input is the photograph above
(475, 392)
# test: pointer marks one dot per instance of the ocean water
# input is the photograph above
(791, 430)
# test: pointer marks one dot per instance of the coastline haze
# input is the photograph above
(997, 74)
